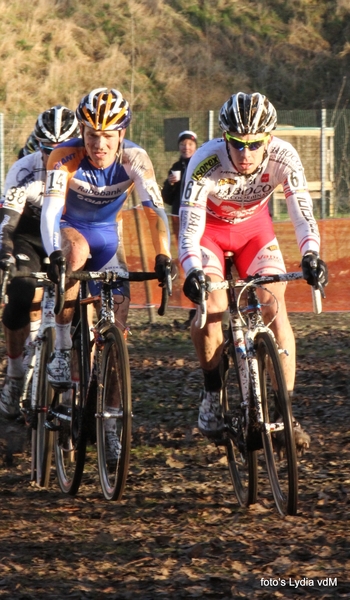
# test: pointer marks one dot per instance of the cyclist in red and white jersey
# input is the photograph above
(225, 207)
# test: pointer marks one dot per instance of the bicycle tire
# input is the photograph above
(115, 383)
(282, 471)
(242, 463)
(70, 438)
(69, 445)
(42, 438)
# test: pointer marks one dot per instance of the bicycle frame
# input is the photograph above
(244, 342)
(104, 391)
(244, 347)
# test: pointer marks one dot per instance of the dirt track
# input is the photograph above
(178, 532)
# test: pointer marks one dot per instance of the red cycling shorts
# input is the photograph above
(253, 243)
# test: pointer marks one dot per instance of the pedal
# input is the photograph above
(221, 440)
(51, 426)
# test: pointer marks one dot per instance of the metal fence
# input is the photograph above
(321, 138)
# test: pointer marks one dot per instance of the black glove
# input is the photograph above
(193, 285)
(8, 263)
(314, 269)
(54, 268)
(163, 261)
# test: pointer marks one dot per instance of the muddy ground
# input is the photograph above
(178, 532)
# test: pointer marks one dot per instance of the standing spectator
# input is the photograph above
(172, 187)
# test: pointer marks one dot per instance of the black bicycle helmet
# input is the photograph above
(31, 145)
(248, 113)
(56, 125)
(104, 110)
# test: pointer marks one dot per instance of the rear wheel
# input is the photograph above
(69, 442)
(277, 434)
(242, 463)
(42, 438)
(113, 425)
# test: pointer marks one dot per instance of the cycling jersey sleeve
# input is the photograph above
(193, 217)
(13, 203)
(139, 167)
(54, 200)
(300, 210)
(192, 224)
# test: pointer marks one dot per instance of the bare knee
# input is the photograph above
(75, 248)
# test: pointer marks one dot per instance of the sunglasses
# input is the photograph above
(240, 145)
(46, 149)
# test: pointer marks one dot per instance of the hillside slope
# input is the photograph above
(173, 54)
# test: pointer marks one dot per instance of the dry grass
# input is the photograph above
(164, 54)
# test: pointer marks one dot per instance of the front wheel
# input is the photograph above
(113, 420)
(69, 443)
(42, 438)
(242, 462)
(277, 434)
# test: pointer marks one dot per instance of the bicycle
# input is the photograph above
(37, 394)
(262, 418)
(101, 391)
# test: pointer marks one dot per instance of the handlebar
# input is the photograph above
(167, 290)
(41, 280)
(258, 280)
(112, 277)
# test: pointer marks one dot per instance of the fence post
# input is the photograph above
(2, 154)
(143, 256)
(323, 161)
(210, 125)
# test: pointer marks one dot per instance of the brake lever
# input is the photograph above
(167, 290)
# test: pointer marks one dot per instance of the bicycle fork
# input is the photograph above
(248, 372)
(108, 413)
(251, 388)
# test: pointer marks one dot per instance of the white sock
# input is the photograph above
(63, 337)
(34, 328)
(15, 367)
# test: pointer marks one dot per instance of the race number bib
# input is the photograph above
(56, 183)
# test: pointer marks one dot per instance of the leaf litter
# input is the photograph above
(178, 531)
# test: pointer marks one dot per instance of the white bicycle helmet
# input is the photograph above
(55, 125)
(248, 113)
(104, 110)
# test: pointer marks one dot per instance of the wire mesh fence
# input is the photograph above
(325, 157)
